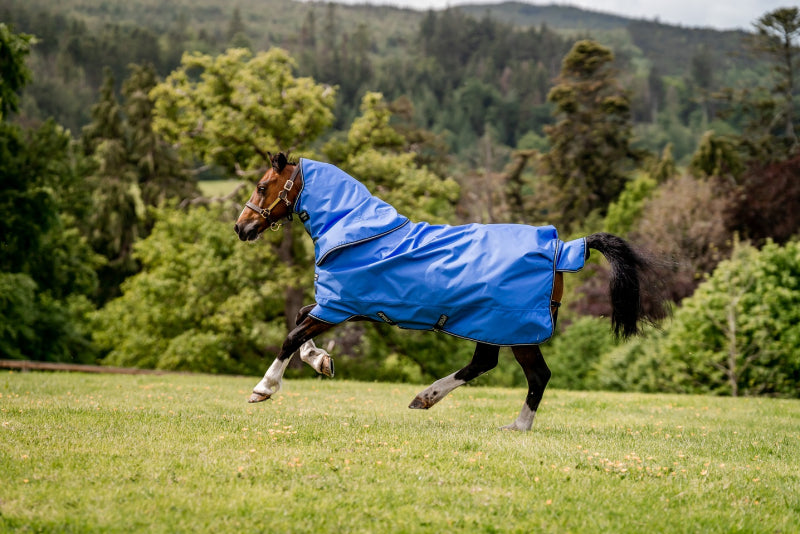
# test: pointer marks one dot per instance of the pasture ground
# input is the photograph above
(186, 453)
(218, 188)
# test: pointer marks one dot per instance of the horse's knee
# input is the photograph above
(303, 313)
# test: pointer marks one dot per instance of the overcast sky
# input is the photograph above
(719, 14)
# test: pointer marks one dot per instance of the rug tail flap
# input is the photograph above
(571, 256)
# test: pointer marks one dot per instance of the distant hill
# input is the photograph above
(554, 16)
(668, 47)
(501, 68)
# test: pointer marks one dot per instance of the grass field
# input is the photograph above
(183, 453)
(218, 188)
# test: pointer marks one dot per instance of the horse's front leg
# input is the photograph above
(317, 358)
(308, 328)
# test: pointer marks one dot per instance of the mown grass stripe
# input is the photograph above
(178, 453)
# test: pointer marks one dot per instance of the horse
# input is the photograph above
(497, 284)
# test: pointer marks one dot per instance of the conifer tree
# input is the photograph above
(778, 32)
(590, 142)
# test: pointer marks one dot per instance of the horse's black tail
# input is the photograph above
(628, 272)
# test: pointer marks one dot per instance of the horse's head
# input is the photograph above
(272, 201)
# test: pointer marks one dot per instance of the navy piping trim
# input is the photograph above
(328, 322)
(370, 238)
(443, 332)
(302, 185)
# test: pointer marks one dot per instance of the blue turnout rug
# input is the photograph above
(488, 283)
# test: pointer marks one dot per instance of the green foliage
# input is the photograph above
(45, 263)
(637, 365)
(14, 74)
(18, 314)
(231, 109)
(717, 156)
(130, 170)
(375, 154)
(626, 210)
(203, 301)
(778, 33)
(738, 334)
(590, 142)
(572, 354)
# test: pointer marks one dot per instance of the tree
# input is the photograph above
(624, 212)
(573, 353)
(230, 110)
(778, 31)
(132, 169)
(46, 267)
(375, 153)
(161, 174)
(685, 221)
(590, 142)
(117, 216)
(738, 334)
(14, 73)
(765, 202)
(202, 300)
(718, 156)
(47, 270)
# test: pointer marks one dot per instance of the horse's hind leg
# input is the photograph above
(538, 374)
(484, 359)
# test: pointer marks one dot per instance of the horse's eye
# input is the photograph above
(261, 189)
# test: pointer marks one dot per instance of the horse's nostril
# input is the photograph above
(236, 228)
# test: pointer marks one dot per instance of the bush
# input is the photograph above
(572, 354)
(202, 302)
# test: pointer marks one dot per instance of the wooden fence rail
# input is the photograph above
(27, 365)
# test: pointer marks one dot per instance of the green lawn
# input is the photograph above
(219, 188)
(182, 453)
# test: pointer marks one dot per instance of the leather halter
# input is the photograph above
(283, 196)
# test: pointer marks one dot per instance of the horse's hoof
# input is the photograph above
(327, 367)
(419, 404)
(258, 397)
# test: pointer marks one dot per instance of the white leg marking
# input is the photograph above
(317, 358)
(524, 420)
(271, 382)
(436, 392)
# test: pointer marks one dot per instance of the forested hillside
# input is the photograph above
(461, 69)
(682, 140)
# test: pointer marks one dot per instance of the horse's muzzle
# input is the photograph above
(246, 232)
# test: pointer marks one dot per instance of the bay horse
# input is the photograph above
(498, 284)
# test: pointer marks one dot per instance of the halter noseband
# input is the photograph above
(283, 196)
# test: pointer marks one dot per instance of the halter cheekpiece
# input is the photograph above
(283, 196)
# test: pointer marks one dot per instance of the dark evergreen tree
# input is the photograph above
(778, 32)
(46, 268)
(590, 144)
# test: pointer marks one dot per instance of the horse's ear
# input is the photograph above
(279, 162)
